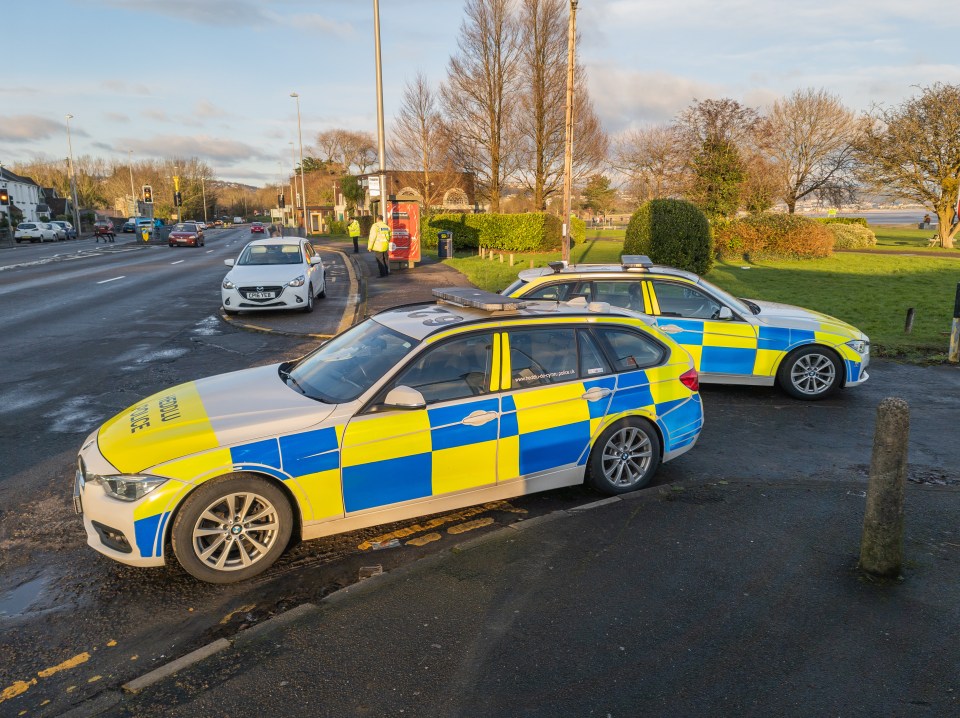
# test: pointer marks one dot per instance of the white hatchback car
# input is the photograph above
(275, 273)
(37, 232)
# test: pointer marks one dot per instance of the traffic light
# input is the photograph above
(177, 199)
(148, 194)
(280, 203)
(4, 196)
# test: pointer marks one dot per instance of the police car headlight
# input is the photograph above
(298, 282)
(127, 487)
(859, 346)
(227, 284)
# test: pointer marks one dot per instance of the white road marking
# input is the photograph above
(177, 262)
(209, 250)
(111, 280)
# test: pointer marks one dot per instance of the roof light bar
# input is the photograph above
(478, 299)
(636, 261)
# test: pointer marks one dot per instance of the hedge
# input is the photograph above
(531, 232)
(862, 221)
(673, 232)
(772, 236)
(852, 236)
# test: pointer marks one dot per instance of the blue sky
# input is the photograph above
(212, 78)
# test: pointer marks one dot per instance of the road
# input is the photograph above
(88, 329)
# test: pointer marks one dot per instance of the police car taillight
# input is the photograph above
(691, 380)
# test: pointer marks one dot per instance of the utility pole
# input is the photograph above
(203, 193)
(133, 192)
(568, 147)
(382, 154)
(294, 195)
(303, 184)
(73, 180)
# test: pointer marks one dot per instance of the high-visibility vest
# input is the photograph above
(353, 229)
(379, 240)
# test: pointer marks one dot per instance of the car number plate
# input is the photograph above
(261, 295)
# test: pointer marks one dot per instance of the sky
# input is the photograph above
(167, 79)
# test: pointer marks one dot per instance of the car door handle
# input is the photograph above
(670, 329)
(596, 393)
(479, 418)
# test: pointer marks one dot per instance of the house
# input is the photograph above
(27, 202)
(59, 206)
(452, 191)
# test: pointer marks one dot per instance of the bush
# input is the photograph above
(531, 232)
(862, 221)
(773, 236)
(852, 236)
(673, 232)
(578, 231)
(338, 227)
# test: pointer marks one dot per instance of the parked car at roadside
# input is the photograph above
(277, 273)
(36, 232)
(59, 232)
(67, 228)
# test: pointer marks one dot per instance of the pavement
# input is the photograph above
(735, 592)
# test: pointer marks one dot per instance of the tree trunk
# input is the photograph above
(944, 218)
(792, 206)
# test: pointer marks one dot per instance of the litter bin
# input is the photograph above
(445, 245)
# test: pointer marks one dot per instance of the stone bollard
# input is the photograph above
(881, 547)
(511, 260)
(501, 257)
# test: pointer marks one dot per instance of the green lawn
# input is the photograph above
(872, 292)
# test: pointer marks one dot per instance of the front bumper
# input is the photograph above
(287, 298)
(111, 525)
(857, 368)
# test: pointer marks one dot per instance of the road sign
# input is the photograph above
(373, 186)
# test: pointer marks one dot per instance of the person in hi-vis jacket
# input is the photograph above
(379, 244)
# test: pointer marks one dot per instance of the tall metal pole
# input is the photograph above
(303, 184)
(73, 180)
(568, 148)
(380, 133)
(203, 192)
(293, 181)
(133, 192)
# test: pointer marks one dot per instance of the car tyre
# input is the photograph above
(232, 528)
(323, 292)
(309, 308)
(624, 458)
(810, 373)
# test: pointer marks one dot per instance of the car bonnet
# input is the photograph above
(788, 316)
(206, 414)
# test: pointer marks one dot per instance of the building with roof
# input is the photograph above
(27, 202)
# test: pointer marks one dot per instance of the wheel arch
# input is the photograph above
(296, 531)
(611, 420)
(832, 349)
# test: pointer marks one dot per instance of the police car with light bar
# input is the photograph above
(419, 409)
(732, 341)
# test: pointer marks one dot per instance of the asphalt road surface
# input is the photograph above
(86, 330)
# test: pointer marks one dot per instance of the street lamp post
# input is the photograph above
(303, 184)
(382, 154)
(203, 193)
(568, 146)
(73, 180)
(133, 192)
(294, 195)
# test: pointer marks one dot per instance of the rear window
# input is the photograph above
(26, 226)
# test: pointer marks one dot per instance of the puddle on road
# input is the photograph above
(161, 355)
(208, 327)
(18, 601)
(74, 416)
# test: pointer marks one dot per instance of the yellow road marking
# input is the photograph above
(243, 609)
(45, 702)
(71, 689)
(66, 665)
(470, 525)
(439, 521)
(111, 643)
(16, 688)
(94, 679)
(425, 539)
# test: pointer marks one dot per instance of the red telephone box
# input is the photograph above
(404, 221)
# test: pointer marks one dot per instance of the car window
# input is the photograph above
(270, 254)
(558, 292)
(684, 300)
(349, 364)
(620, 293)
(539, 357)
(456, 369)
(630, 350)
(592, 361)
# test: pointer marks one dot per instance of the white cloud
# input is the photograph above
(215, 149)
(29, 128)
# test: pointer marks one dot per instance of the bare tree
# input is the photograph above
(913, 149)
(479, 95)
(540, 122)
(421, 141)
(347, 148)
(810, 140)
(651, 159)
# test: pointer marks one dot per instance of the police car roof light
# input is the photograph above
(478, 299)
(636, 261)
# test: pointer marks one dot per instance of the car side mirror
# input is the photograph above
(228, 262)
(316, 260)
(404, 397)
(725, 313)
